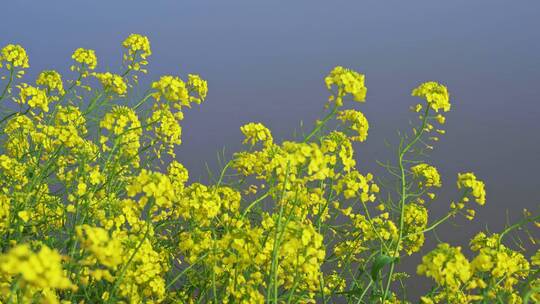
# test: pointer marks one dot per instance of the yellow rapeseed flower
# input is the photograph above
(447, 266)
(435, 94)
(42, 269)
(476, 188)
(34, 97)
(346, 81)
(197, 85)
(358, 123)
(173, 89)
(429, 176)
(112, 82)
(136, 43)
(52, 81)
(256, 132)
(85, 57)
(14, 55)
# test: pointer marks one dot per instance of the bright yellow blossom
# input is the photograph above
(86, 57)
(447, 266)
(429, 175)
(435, 94)
(166, 127)
(52, 81)
(138, 43)
(14, 55)
(197, 85)
(98, 242)
(256, 132)
(173, 89)
(346, 82)
(42, 269)
(416, 220)
(475, 187)
(34, 97)
(114, 83)
(358, 123)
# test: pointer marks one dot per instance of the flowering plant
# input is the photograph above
(95, 208)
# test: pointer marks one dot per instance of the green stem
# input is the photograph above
(171, 283)
(140, 103)
(517, 225)
(322, 123)
(254, 203)
(364, 292)
(273, 284)
(11, 72)
(403, 194)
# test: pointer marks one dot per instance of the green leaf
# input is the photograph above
(380, 261)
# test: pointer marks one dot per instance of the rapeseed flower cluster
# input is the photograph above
(85, 57)
(123, 133)
(256, 132)
(112, 82)
(468, 182)
(138, 47)
(138, 43)
(358, 124)
(447, 266)
(429, 176)
(196, 84)
(52, 82)
(33, 97)
(14, 56)
(496, 272)
(435, 94)
(40, 274)
(415, 220)
(92, 211)
(166, 127)
(472, 188)
(172, 89)
(346, 82)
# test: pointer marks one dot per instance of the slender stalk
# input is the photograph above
(322, 123)
(516, 226)
(8, 85)
(273, 284)
(403, 195)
